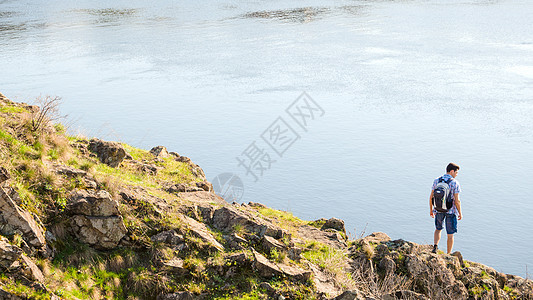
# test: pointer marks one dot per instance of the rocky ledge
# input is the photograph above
(90, 219)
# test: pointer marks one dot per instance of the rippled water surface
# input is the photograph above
(405, 87)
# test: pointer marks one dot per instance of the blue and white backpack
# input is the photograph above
(442, 195)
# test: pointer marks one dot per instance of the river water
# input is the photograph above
(395, 91)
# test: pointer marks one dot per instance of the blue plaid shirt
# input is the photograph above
(455, 188)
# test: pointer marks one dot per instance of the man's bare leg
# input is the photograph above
(436, 237)
(450, 243)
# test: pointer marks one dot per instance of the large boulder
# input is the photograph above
(336, 224)
(109, 153)
(99, 232)
(14, 219)
(228, 218)
(92, 203)
(169, 237)
(96, 219)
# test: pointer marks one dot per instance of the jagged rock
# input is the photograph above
(205, 185)
(459, 257)
(415, 265)
(324, 284)
(13, 260)
(175, 265)
(239, 258)
(180, 158)
(269, 243)
(388, 265)
(200, 230)
(206, 212)
(177, 296)
(406, 247)
(377, 237)
(92, 203)
(148, 168)
(333, 239)
(350, 295)
(227, 218)
(8, 253)
(160, 151)
(139, 198)
(169, 237)
(14, 219)
(235, 241)
(453, 264)
(4, 175)
(266, 268)
(336, 224)
(109, 153)
(405, 294)
(267, 287)
(182, 187)
(295, 272)
(100, 232)
(69, 171)
(295, 253)
(255, 204)
(5, 295)
(195, 169)
(30, 270)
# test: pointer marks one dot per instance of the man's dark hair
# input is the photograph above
(452, 166)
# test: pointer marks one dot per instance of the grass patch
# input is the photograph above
(12, 109)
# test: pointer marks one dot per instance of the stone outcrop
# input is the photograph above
(200, 231)
(183, 187)
(14, 219)
(169, 237)
(351, 295)
(228, 218)
(109, 153)
(336, 224)
(177, 296)
(174, 265)
(268, 269)
(14, 261)
(333, 239)
(435, 276)
(96, 219)
(70, 172)
(92, 203)
(195, 169)
(5, 295)
(160, 152)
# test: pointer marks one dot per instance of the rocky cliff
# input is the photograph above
(90, 219)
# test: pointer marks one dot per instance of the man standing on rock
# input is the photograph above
(453, 214)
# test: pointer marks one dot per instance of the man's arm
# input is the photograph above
(458, 205)
(431, 204)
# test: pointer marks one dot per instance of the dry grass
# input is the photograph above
(370, 283)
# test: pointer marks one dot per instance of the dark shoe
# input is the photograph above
(434, 249)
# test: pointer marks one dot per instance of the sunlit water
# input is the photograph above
(405, 86)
